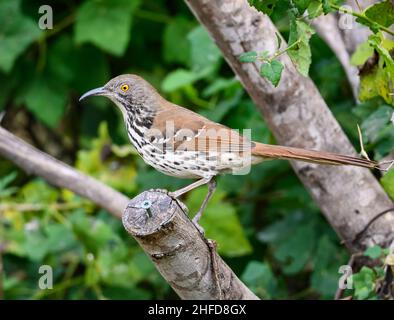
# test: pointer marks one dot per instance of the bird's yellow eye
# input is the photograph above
(124, 87)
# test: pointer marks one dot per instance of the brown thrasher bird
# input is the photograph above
(184, 144)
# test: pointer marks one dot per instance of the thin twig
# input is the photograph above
(359, 234)
(358, 5)
(385, 162)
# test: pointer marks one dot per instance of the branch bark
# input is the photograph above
(59, 174)
(349, 197)
(185, 259)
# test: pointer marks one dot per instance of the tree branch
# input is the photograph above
(187, 261)
(349, 197)
(182, 255)
(60, 174)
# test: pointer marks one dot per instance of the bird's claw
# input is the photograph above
(197, 225)
(182, 205)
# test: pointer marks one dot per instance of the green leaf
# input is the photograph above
(176, 46)
(373, 252)
(383, 47)
(300, 54)
(377, 75)
(387, 182)
(376, 82)
(250, 56)
(17, 32)
(129, 293)
(5, 188)
(115, 269)
(315, 9)
(301, 5)
(272, 71)
(35, 245)
(364, 283)
(326, 260)
(327, 6)
(46, 99)
(86, 66)
(59, 238)
(382, 13)
(106, 24)
(265, 6)
(204, 52)
(38, 191)
(362, 53)
(181, 78)
(221, 223)
(291, 240)
(259, 277)
(375, 125)
(220, 84)
(95, 232)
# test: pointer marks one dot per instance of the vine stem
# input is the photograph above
(152, 16)
(42, 45)
(361, 16)
(67, 21)
(279, 53)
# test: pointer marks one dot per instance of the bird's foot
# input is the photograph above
(182, 205)
(196, 221)
(199, 228)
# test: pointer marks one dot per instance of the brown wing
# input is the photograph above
(185, 130)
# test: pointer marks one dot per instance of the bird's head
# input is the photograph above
(128, 92)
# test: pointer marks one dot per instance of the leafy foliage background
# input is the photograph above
(268, 228)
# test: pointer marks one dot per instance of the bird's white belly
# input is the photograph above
(195, 164)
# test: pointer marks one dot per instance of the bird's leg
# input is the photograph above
(178, 193)
(197, 217)
(211, 188)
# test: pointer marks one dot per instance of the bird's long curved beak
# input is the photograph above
(94, 92)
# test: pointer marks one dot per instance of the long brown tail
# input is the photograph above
(281, 152)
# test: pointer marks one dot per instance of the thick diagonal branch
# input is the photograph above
(349, 197)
